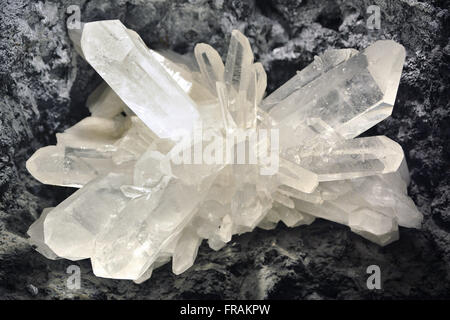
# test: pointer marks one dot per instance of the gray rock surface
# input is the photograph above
(44, 84)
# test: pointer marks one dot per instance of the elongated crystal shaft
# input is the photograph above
(138, 78)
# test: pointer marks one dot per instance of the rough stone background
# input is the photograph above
(44, 84)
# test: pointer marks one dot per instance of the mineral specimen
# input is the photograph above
(179, 149)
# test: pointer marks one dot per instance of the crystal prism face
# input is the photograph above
(350, 91)
(158, 166)
(139, 78)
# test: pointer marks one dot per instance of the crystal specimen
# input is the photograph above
(159, 163)
(138, 77)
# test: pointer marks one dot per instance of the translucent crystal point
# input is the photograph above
(374, 226)
(239, 59)
(292, 217)
(210, 64)
(72, 227)
(37, 238)
(132, 243)
(297, 177)
(138, 78)
(185, 251)
(240, 76)
(321, 64)
(350, 159)
(83, 152)
(351, 97)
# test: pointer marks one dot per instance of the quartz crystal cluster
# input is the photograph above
(137, 208)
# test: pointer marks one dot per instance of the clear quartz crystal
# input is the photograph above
(210, 64)
(71, 228)
(138, 206)
(185, 251)
(351, 97)
(37, 238)
(350, 159)
(139, 78)
(83, 152)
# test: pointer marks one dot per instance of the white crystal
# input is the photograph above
(185, 251)
(83, 152)
(37, 239)
(350, 159)
(139, 206)
(351, 97)
(138, 78)
(71, 228)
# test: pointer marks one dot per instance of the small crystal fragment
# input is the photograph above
(36, 233)
(185, 251)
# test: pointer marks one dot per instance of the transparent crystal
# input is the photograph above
(153, 166)
(139, 78)
(351, 97)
